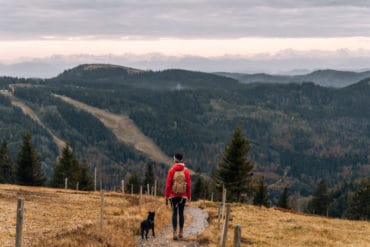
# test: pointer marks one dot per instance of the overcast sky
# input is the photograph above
(33, 19)
(41, 28)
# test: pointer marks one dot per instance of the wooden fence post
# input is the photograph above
(147, 189)
(224, 230)
(237, 235)
(212, 197)
(101, 209)
(141, 193)
(219, 215)
(155, 188)
(95, 178)
(141, 196)
(19, 226)
(123, 186)
(66, 183)
(223, 202)
(132, 189)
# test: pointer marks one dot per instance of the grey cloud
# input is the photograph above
(184, 19)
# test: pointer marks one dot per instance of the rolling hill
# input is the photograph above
(299, 132)
(327, 78)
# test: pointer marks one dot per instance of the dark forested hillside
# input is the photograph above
(301, 132)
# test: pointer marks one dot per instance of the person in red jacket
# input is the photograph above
(178, 190)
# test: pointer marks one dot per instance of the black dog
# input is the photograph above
(148, 224)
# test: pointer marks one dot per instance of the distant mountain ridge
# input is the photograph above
(327, 78)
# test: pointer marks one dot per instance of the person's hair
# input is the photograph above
(178, 157)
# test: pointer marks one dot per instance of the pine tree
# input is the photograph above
(7, 168)
(235, 170)
(29, 170)
(261, 198)
(66, 167)
(85, 181)
(359, 208)
(134, 180)
(320, 201)
(198, 187)
(149, 175)
(283, 200)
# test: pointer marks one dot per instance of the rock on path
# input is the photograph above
(197, 225)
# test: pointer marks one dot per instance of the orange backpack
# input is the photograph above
(179, 182)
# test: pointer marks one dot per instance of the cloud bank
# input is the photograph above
(284, 62)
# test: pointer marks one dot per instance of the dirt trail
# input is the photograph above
(29, 112)
(124, 129)
(197, 225)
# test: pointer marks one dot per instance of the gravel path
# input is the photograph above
(164, 238)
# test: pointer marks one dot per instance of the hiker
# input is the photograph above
(178, 190)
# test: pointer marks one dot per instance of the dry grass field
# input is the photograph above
(276, 227)
(56, 217)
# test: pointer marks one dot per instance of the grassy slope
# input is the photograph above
(277, 227)
(56, 217)
(124, 129)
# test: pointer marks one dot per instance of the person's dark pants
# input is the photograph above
(178, 206)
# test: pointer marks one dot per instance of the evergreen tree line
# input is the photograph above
(134, 181)
(27, 170)
(350, 200)
(69, 169)
(234, 172)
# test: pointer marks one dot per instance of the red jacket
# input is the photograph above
(178, 167)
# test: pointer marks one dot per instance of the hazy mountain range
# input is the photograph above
(327, 78)
(287, 62)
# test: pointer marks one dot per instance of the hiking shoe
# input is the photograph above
(174, 235)
(181, 233)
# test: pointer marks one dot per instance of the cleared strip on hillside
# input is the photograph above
(29, 112)
(124, 129)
